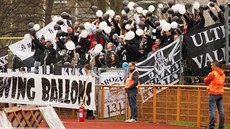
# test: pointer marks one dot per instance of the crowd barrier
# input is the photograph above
(175, 103)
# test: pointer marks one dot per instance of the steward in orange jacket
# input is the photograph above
(215, 81)
(131, 90)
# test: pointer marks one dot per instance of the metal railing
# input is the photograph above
(175, 103)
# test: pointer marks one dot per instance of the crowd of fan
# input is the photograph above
(116, 48)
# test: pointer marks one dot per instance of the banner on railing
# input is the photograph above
(56, 70)
(204, 46)
(163, 67)
(3, 59)
(57, 91)
(114, 103)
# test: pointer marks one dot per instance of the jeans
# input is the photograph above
(132, 98)
(213, 101)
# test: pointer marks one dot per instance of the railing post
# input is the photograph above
(154, 104)
(198, 108)
(74, 113)
(117, 95)
(102, 101)
(178, 105)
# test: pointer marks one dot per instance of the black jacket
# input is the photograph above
(39, 50)
(50, 55)
(84, 43)
(133, 87)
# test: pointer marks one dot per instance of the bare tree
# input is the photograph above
(16, 14)
(48, 7)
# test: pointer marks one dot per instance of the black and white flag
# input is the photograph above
(22, 48)
(162, 67)
(3, 59)
(204, 46)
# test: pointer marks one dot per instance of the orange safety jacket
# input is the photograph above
(129, 80)
(215, 82)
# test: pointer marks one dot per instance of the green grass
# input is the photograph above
(183, 123)
(190, 124)
(117, 118)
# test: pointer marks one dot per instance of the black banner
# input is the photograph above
(163, 67)
(3, 59)
(204, 46)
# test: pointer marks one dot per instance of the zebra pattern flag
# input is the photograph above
(162, 67)
(3, 59)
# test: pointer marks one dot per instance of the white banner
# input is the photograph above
(51, 118)
(54, 90)
(114, 98)
(22, 48)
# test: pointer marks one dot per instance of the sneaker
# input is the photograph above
(127, 120)
(131, 121)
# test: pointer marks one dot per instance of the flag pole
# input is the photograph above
(227, 11)
(181, 80)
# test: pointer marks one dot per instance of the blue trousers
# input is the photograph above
(132, 98)
(213, 101)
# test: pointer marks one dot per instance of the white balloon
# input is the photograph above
(129, 35)
(174, 8)
(111, 13)
(98, 48)
(179, 6)
(144, 12)
(70, 45)
(99, 13)
(196, 5)
(84, 34)
(139, 9)
(166, 27)
(27, 36)
(139, 32)
(130, 5)
(107, 29)
(36, 27)
(123, 12)
(182, 10)
(174, 25)
(151, 8)
(127, 27)
(102, 25)
(160, 6)
(162, 22)
(87, 25)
